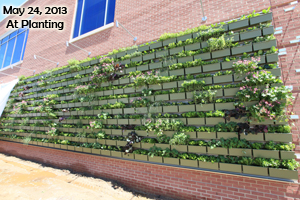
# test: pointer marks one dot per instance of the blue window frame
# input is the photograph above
(12, 47)
(93, 14)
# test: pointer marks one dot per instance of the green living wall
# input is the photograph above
(209, 97)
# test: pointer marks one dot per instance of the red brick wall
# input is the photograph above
(173, 182)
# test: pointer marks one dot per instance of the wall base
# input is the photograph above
(156, 179)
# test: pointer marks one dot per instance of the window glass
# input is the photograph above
(9, 52)
(2, 52)
(110, 11)
(18, 48)
(24, 46)
(93, 14)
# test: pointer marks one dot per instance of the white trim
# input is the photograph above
(74, 19)
(105, 15)
(82, 9)
(102, 28)
(10, 66)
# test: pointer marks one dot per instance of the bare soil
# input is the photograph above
(25, 180)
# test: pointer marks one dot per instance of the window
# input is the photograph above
(12, 47)
(93, 14)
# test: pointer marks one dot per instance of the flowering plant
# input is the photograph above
(53, 132)
(83, 89)
(140, 102)
(18, 108)
(260, 78)
(247, 93)
(241, 67)
(96, 125)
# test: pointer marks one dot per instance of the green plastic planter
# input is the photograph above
(279, 137)
(231, 167)
(187, 108)
(170, 109)
(268, 31)
(209, 165)
(176, 50)
(181, 148)
(261, 171)
(140, 157)
(143, 48)
(96, 151)
(230, 91)
(242, 49)
(272, 57)
(142, 68)
(195, 121)
(212, 67)
(227, 135)
(197, 149)
(149, 56)
(123, 121)
(156, 45)
(203, 56)
(171, 161)
(264, 45)
(260, 19)
(283, 173)
(189, 163)
(205, 107)
(214, 120)
(156, 159)
(163, 146)
(169, 41)
(223, 79)
(266, 153)
(217, 151)
(162, 54)
(169, 85)
(86, 150)
(193, 70)
(235, 37)
(240, 152)
(128, 155)
(156, 65)
(192, 47)
(105, 152)
(250, 34)
(178, 72)
(286, 155)
(135, 121)
(221, 53)
(162, 97)
(185, 59)
(253, 137)
(184, 37)
(225, 106)
(116, 154)
(239, 24)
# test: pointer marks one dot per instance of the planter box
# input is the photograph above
(51, 145)
(203, 56)
(221, 53)
(242, 49)
(193, 70)
(192, 47)
(212, 67)
(279, 137)
(96, 151)
(135, 121)
(128, 155)
(250, 34)
(142, 67)
(268, 31)
(155, 109)
(283, 173)
(63, 146)
(266, 153)
(162, 54)
(86, 150)
(167, 109)
(286, 155)
(105, 152)
(91, 140)
(207, 80)
(231, 167)
(205, 107)
(227, 135)
(176, 50)
(116, 154)
(197, 149)
(189, 163)
(195, 121)
(261, 18)
(128, 110)
(239, 24)
(143, 48)
(141, 110)
(264, 45)
(272, 57)
(140, 157)
(178, 72)
(112, 121)
(116, 132)
(187, 108)
(223, 79)
(123, 121)
(121, 54)
(155, 65)
(209, 165)
(156, 45)
(217, 151)
(225, 106)
(262, 171)
(71, 148)
(156, 159)
(169, 41)
(206, 135)
(193, 135)
(121, 143)
(117, 111)
(127, 70)
(169, 85)
(129, 90)
(185, 59)
(181, 148)
(146, 145)
(136, 59)
(253, 137)
(162, 97)
(231, 91)
(235, 37)
(184, 37)
(149, 56)
(111, 142)
(127, 61)
(163, 146)
(214, 120)
(171, 161)
(240, 152)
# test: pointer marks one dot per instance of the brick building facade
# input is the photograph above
(148, 20)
